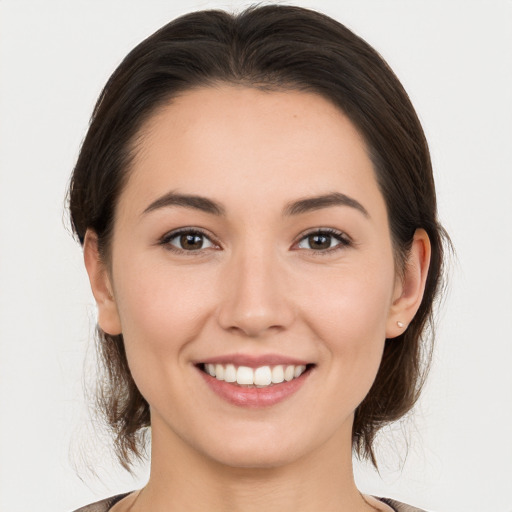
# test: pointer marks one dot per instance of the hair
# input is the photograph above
(273, 48)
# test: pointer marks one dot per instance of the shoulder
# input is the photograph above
(400, 507)
(103, 505)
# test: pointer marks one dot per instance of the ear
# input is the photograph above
(108, 316)
(410, 286)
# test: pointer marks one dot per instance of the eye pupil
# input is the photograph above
(319, 241)
(191, 241)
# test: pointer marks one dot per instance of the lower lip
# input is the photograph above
(254, 397)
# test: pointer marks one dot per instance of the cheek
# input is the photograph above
(155, 297)
(351, 300)
(161, 312)
(348, 314)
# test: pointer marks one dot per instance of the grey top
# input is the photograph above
(106, 505)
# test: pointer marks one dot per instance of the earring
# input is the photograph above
(400, 324)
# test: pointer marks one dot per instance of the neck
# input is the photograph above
(184, 479)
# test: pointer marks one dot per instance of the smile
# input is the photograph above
(254, 382)
(260, 377)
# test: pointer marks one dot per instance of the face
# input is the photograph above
(251, 242)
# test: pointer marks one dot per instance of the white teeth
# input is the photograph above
(299, 370)
(277, 374)
(230, 373)
(219, 372)
(245, 375)
(289, 373)
(262, 376)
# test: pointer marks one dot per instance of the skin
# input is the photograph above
(256, 287)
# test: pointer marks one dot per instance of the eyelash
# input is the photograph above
(342, 238)
(166, 241)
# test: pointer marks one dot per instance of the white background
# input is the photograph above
(455, 60)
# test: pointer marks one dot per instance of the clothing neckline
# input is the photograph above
(116, 499)
(107, 504)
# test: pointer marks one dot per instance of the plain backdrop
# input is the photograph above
(455, 60)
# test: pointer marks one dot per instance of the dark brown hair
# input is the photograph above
(275, 48)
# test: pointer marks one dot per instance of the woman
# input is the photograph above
(257, 210)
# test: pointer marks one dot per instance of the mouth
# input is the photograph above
(250, 383)
(260, 377)
(254, 381)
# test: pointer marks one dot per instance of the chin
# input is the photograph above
(257, 452)
(253, 459)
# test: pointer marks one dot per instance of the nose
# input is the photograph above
(255, 298)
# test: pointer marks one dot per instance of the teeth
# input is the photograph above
(277, 374)
(244, 375)
(289, 373)
(219, 372)
(230, 373)
(299, 370)
(262, 376)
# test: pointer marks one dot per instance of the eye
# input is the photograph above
(188, 240)
(324, 240)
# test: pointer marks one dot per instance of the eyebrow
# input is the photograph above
(298, 207)
(309, 204)
(186, 201)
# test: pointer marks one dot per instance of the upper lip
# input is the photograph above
(253, 361)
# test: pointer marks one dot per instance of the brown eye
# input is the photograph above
(319, 241)
(323, 241)
(191, 242)
(188, 241)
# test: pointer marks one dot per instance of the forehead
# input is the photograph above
(233, 142)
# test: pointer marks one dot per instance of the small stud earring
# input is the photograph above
(400, 324)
